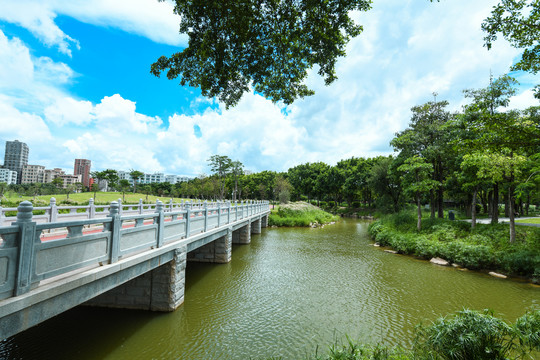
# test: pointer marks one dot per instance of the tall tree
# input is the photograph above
(111, 176)
(220, 165)
(501, 140)
(385, 180)
(428, 135)
(418, 182)
(136, 176)
(266, 44)
(237, 170)
(124, 186)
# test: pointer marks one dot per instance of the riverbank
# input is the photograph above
(484, 248)
(300, 214)
(467, 334)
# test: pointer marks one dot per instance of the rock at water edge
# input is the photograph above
(438, 261)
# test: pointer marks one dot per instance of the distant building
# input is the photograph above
(82, 167)
(15, 157)
(50, 174)
(8, 176)
(69, 179)
(175, 179)
(152, 178)
(32, 174)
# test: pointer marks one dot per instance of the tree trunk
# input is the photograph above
(468, 208)
(419, 223)
(440, 201)
(473, 210)
(511, 212)
(527, 204)
(495, 214)
(432, 203)
(506, 206)
(490, 203)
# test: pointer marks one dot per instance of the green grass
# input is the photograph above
(486, 247)
(529, 221)
(102, 198)
(299, 217)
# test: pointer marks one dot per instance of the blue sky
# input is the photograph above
(75, 82)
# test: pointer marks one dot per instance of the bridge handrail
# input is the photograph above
(29, 255)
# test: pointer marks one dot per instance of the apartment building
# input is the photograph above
(82, 167)
(8, 176)
(32, 174)
(16, 157)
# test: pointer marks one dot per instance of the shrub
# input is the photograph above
(469, 335)
(520, 262)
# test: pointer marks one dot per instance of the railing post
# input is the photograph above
(205, 216)
(235, 210)
(116, 224)
(188, 219)
(26, 234)
(218, 214)
(228, 212)
(171, 204)
(141, 207)
(120, 210)
(53, 211)
(160, 222)
(91, 209)
(1, 216)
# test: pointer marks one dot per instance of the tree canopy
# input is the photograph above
(267, 44)
(519, 23)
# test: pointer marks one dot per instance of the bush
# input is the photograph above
(486, 247)
(469, 335)
(299, 217)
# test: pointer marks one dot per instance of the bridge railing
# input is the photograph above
(54, 213)
(32, 252)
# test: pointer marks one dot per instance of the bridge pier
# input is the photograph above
(217, 251)
(242, 235)
(264, 221)
(161, 289)
(256, 226)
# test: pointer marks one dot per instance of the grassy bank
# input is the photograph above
(300, 214)
(465, 335)
(102, 198)
(485, 248)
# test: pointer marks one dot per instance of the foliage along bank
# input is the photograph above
(468, 334)
(300, 214)
(485, 247)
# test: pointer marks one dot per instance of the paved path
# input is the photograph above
(505, 220)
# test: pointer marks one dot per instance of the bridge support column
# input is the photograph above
(256, 226)
(161, 289)
(264, 221)
(242, 235)
(217, 251)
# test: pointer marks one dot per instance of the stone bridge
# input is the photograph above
(125, 261)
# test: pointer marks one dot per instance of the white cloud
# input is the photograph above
(150, 18)
(38, 18)
(523, 101)
(67, 110)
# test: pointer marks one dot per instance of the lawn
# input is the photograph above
(12, 199)
(529, 221)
